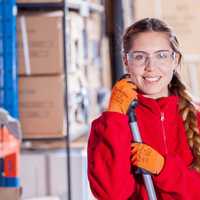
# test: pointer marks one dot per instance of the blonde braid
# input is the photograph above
(188, 111)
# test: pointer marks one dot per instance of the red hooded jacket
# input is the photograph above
(110, 173)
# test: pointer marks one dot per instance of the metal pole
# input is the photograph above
(65, 34)
(137, 138)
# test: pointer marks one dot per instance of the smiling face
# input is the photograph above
(153, 77)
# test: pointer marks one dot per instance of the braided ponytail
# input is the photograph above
(188, 111)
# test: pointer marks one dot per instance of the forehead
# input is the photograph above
(151, 42)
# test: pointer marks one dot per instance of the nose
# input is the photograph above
(149, 64)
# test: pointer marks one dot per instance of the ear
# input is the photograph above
(177, 59)
(125, 60)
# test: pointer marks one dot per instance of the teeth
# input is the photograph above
(152, 78)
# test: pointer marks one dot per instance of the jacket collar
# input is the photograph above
(163, 104)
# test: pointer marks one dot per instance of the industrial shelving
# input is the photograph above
(57, 6)
(84, 8)
(8, 64)
(71, 5)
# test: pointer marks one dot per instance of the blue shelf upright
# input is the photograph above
(8, 56)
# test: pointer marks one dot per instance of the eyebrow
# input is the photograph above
(161, 50)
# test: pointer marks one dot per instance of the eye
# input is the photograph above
(139, 57)
(162, 55)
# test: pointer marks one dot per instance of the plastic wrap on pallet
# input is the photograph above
(8, 66)
(10, 137)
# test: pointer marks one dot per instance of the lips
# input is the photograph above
(152, 79)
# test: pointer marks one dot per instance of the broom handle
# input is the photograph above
(137, 138)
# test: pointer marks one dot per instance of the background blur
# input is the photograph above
(59, 78)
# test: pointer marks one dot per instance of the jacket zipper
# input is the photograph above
(162, 118)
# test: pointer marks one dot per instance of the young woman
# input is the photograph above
(168, 120)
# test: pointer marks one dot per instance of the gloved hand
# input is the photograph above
(123, 93)
(145, 157)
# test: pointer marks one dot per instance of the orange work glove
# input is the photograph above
(145, 157)
(123, 93)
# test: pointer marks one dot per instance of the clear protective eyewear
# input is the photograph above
(161, 58)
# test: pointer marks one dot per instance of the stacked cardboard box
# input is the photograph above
(41, 82)
(40, 43)
(41, 70)
(46, 174)
(42, 106)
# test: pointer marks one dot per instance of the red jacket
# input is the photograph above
(110, 174)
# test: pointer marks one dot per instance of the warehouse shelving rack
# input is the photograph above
(71, 5)
(8, 64)
(57, 6)
(83, 7)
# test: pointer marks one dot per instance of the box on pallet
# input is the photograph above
(40, 43)
(41, 106)
(46, 173)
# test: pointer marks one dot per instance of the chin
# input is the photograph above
(153, 93)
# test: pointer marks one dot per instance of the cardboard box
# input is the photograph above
(10, 193)
(45, 173)
(40, 43)
(41, 106)
(57, 178)
(33, 175)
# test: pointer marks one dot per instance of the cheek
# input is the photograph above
(135, 71)
(167, 75)
(136, 74)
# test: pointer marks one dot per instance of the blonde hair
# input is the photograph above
(187, 108)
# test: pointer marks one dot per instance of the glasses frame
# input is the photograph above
(148, 56)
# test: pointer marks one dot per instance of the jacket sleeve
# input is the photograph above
(109, 169)
(177, 176)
